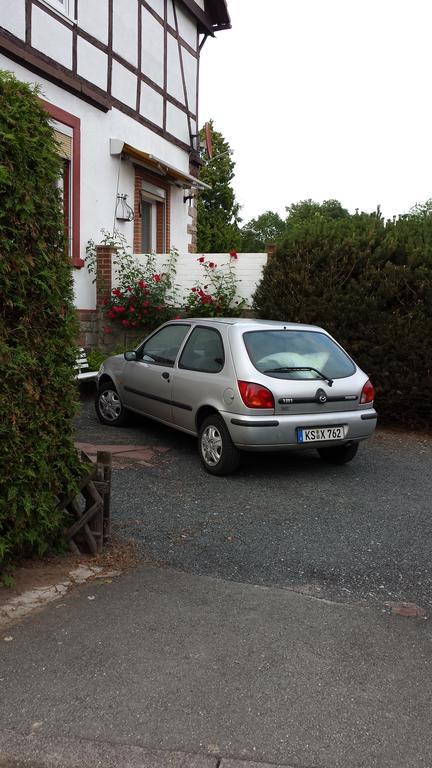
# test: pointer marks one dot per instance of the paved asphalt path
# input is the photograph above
(357, 532)
(211, 659)
(162, 660)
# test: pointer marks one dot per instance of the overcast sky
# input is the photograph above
(324, 99)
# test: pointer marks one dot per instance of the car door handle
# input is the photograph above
(166, 376)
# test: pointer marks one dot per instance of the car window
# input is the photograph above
(279, 353)
(162, 348)
(203, 351)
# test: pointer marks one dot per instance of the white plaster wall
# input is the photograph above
(174, 78)
(92, 63)
(152, 60)
(125, 29)
(99, 171)
(190, 65)
(55, 40)
(194, 127)
(151, 104)
(52, 38)
(93, 18)
(124, 85)
(248, 269)
(177, 123)
(187, 26)
(170, 14)
(180, 218)
(12, 17)
(158, 6)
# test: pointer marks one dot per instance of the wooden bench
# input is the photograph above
(82, 367)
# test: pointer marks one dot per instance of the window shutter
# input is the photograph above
(151, 192)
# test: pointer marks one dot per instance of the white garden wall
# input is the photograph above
(248, 268)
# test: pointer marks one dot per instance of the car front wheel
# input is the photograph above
(217, 451)
(340, 454)
(109, 407)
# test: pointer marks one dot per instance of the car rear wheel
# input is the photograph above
(217, 451)
(109, 407)
(340, 454)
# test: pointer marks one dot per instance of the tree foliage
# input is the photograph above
(270, 228)
(368, 282)
(218, 211)
(422, 209)
(37, 329)
(266, 229)
(309, 209)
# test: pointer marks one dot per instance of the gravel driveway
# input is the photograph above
(357, 532)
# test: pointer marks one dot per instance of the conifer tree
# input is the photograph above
(218, 210)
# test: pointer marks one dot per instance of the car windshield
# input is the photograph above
(286, 354)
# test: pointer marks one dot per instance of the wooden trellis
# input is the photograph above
(90, 509)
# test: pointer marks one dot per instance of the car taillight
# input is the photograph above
(368, 393)
(255, 396)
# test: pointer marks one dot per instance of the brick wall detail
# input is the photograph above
(270, 249)
(104, 254)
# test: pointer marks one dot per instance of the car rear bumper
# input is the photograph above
(280, 432)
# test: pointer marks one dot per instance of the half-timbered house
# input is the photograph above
(120, 81)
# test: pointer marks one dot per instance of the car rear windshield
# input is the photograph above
(279, 353)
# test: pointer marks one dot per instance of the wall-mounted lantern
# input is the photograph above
(123, 210)
(190, 196)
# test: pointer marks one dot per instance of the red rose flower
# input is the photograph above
(156, 278)
(142, 284)
(125, 323)
(233, 255)
(201, 259)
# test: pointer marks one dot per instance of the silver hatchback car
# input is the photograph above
(243, 385)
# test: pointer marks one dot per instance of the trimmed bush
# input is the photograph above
(37, 330)
(369, 283)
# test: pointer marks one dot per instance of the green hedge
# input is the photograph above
(37, 329)
(368, 282)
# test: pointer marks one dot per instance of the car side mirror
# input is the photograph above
(130, 356)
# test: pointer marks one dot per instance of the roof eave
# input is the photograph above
(218, 10)
(214, 19)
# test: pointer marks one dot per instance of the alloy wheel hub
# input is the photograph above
(110, 405)
(211, 446)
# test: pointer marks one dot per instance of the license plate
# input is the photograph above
(320, 434)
